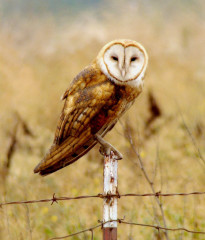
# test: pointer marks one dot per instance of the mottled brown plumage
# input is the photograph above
(93, 103)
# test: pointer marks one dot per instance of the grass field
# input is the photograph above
(39, 56)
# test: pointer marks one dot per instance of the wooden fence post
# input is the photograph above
(110, 203)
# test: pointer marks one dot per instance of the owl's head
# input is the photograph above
(124, 62)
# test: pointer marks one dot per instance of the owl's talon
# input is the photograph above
(106, 149)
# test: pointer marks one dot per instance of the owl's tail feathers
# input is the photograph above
(69, 151)
(60, 156)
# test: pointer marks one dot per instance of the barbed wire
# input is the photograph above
(121, 221)
(100, 195)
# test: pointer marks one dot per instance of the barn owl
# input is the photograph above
(95, 100)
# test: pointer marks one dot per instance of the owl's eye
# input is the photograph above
(114, 58)
(133, 58)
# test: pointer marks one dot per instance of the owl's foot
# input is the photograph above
(106, 148)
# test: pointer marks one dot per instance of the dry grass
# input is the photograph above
(37, 62)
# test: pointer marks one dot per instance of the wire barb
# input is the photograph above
(54, 199)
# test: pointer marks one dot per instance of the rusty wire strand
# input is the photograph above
(121, 221)
(159, 194)
(100, 195)
(161, 228)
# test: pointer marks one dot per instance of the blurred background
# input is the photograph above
(43, 45)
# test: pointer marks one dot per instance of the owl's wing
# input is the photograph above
(85, 113)
(87, 95)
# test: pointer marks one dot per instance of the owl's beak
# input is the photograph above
(123, 72)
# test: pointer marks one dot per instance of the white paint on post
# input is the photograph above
(110, 187)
